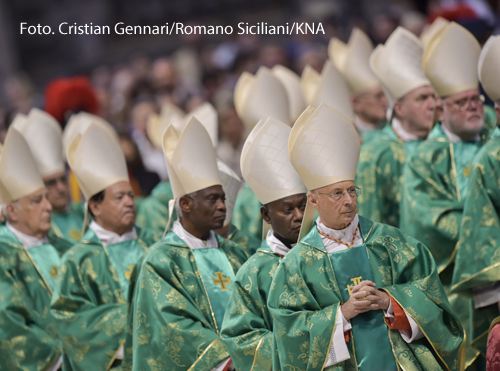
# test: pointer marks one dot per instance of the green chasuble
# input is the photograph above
(477, 262)
(248, 241)
(246, 214)
(69, 225)
(310, 284)
(435, 186)
(380, 174)
(248, 327)
(153, 210)
(28, 336)
(173, 319)
(89, 302)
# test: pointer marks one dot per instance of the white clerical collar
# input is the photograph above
(192, 241)
(454, 138)
(345, 235)
(275, 244)
(364, 127)
(110, 238)
(26, 240)
(402, 133)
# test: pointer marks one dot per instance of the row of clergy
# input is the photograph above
(196, 301)
(348, 275)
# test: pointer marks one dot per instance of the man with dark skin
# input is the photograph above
(248, 325)
(186, 277)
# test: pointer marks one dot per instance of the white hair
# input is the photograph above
(4, 208)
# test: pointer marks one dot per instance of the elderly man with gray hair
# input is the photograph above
(30, 259)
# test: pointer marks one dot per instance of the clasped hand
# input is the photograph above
(364, 297)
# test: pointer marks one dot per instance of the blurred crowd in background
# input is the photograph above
(126, 79)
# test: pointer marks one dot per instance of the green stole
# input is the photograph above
(463, 155)
(124, 256)
(218, 278)
(370, 334)
(47, 262)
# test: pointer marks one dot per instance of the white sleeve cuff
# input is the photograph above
(407, 335)
(486, 295)
(338, 350)
(221, 365)
(121, 352)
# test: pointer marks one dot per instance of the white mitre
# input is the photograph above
(450, 60)
(44, 137)
(79, 123)
(352, 60)
(261, 96)
(206, 115)
(19, 175)
(157, 124)
(96, 159)
(190, 157)
(291, 82)
(434, 28)
(329, 87)
(265, 164)
(398, 64)
(324, 147)
(489, 68)
(231, 185)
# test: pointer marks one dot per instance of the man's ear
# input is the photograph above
(439, 109)
(355, 102)
(312, 198)
(497, 110)
(186, 204)
(94, 208)
(264, 211)
(12, 212)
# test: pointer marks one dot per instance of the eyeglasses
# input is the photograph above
(465, 102)
(338, 195)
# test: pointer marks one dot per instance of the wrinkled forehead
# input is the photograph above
(346, 184)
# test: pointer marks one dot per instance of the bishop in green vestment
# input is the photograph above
(153, 211)
(247, 329)
(354, 294)
(382, 160)
(68, 224)
(436, 177)
(89, 302)
(183, 283)
(30, 257)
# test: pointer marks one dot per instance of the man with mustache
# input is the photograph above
(248, 326)
(184, 281)
(353, 294)
(436, 177)
(477, 263)
(30, 259)
(89, 302)
(397, 64)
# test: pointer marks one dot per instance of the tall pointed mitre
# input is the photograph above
(207, 115)
(231, 185)
(434, 28)
(79, 123)
(190, 156)
(328, 87)
(19, 175)
(352, 60)
(324, 147)
(489, 68)
(398, 64)
(261, 96)
(265, 164)
(291, 82)
(157, 124)
(450, 60)
(96, 159)
(44, 137)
